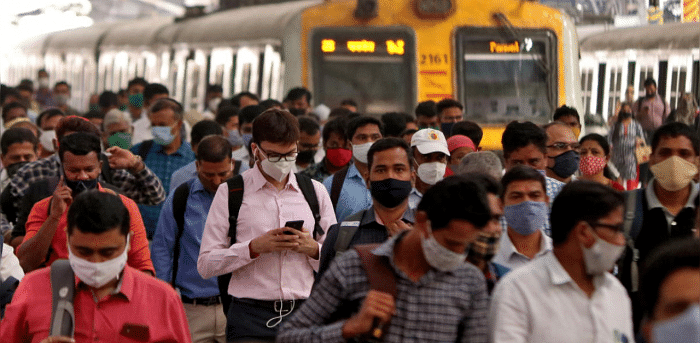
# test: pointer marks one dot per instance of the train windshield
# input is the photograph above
(504, 77)
(374, 67)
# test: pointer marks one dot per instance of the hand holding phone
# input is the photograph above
(294, 224)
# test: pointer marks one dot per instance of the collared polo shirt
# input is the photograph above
(541, 303)
(354, 195)
(414, 199)
(653, 201)
(509, 257)
(139, 299)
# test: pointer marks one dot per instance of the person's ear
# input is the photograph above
(422, 223)
(584, 234)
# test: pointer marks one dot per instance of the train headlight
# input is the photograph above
(433, 8)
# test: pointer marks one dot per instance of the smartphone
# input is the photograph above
(294, 224)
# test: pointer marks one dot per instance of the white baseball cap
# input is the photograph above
(429, 140)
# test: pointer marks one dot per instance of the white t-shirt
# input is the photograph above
(9, 266)
(540, 303)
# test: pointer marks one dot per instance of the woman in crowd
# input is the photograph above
(623, 139)
(595, 155)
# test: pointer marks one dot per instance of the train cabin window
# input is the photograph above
(645, 72)
(678, 80)
(374, 66)
(614, 90)
(504, 78)
(246, 76)
(587, 89)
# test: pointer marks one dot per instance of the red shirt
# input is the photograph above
(139, 300)
(139, 256)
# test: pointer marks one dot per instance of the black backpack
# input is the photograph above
(235, 199)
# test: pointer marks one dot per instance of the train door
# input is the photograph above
(195, 84)
(615, 85)
(679, 81)
(177, 74)
(589, 85)
(247, 70)
(104, 72)
(271, 74)
(150, 67)
(645, 68)
(121, 67)
(220, 71)
(163, 65)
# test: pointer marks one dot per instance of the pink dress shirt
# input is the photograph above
(282, 275)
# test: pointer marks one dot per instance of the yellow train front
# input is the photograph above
(504, 60)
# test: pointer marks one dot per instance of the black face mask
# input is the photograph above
(306, 156)
(81, 185)
(13, 168)
(390, 192)
(446, 129)
(625, 115)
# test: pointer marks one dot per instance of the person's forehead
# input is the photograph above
(391, 156)
(277, 147)
(20, 148)
(526, 152)
(118, 126)
(305, 136)
(367, 128)
(591, 144)
(215, 167)
(560, 133)
(166, 113)
(524, 186)
(108, 239)
(681, 285)
(679, 142)
(69, 159)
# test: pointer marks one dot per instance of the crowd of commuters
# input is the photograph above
(264, 221)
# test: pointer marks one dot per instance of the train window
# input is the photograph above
(645, 72)
(376, 67)
(678, 79)
(587, 89)
(614, 89)
(246, 76)
(502, 77)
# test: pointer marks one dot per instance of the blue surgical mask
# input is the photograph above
(684, 327)
(163, 135)
(235, 138)
(526, 217)
(566, 164)
(247, 137)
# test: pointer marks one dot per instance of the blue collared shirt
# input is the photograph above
(163, 166)
(354, 196)
(190, 283)
(189, 171)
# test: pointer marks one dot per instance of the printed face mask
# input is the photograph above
(566, 164)
(526, 217)
(591, 165)
(120, 139)
(136, 100)
(485, 247)
(674, 173)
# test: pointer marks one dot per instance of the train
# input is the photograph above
(614, 60)
(504, 60)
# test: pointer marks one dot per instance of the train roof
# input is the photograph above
(136, 33)
(242, 24)
(652, 37)
(85, 38)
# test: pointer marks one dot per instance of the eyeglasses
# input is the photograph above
(274, 157)
(562, 146)
(616, 228)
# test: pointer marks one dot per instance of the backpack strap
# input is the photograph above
(106, 170)
(346, 231)
(337, 185)
(144, 148)
(63, 291)
(307, 188)
(632, 225)
(235, 199)
(237, 167)
(182, 192)
(380, 276)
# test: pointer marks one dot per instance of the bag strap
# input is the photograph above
(632, 225)
(235, 199)
(63, 292)
(144, 148)
(381, 278)
(237, 167)
(182, 192)
(346, 231)
(307, 188)
(106, 170)
(337, 185)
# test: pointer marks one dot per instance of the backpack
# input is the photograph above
(62, 295)
(381, 278)
(180, 196)
(346, 231)
(7, 287)
(235, 199)
(144, 148)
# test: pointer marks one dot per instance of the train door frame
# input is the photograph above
(587, 65)
(676, 62)
(247, 56)
(647, 61)
(195, 89)
(616, 66)
(178, 69)
(221, 59)
(271, 76)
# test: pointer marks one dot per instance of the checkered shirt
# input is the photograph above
(440, 307)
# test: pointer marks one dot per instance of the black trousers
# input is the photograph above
(247, 319)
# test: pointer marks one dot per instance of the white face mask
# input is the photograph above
(46, 139)
(601, 257)
(674, 173)
(359, 151)
(432, 172)
(98, 274)
(439, 257)
(277, 170)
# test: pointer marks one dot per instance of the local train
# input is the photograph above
(614, 60)
(504, 60)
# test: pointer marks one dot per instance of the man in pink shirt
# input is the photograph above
(113, 302)
(651, 110)
(272, 265)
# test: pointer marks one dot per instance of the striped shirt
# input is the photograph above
(440, 307)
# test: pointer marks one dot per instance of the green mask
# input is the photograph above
(136, 100)
(120, 139)
(94, 107)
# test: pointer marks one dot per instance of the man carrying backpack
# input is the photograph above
(179, 232)
(249, 232)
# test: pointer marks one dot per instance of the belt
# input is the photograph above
(209, 301)
(276, 305)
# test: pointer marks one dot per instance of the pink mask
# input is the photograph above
(591, 165)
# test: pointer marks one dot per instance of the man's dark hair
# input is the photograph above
(153, 89)
(469, 129)
(394, 123)
(62, 83)
(8, 91)
(11, 106)
(674, 130)
(490, 184)
(223, 114)
(336, 126)
(598, 139)
(348, 102)
(249, 113)
(98, 212)
(298, 93)
(137, 81)
(662, 262)
(26, 85)
(522, 173)
(108, 99)
(447, 103)
(650, 82)
(270, 103)
(519, 135)
(579, 201)
(308, 125)
(386, 144)
(215, 89)
(236, 100)
(168, 103)
(361, 121)
(75, 124)
(94, 114)
(79, 144)
(275, 126)
(204, 128)
(17, 135)
(456, 198)
(426, 109)
(48, 114)
(340, 112)
(566, 111)
(213, 148)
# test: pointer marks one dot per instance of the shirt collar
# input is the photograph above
(371, 216)
(654, 202)
(507, 244)
(197, 185)
(354, 172)
(125, 285)
(259, 180)
(557, 273)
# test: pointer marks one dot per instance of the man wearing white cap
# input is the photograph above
(430, 153)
